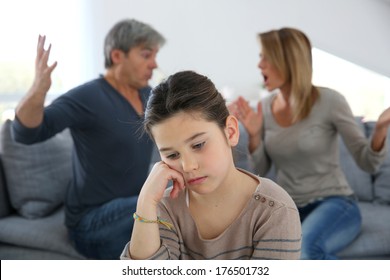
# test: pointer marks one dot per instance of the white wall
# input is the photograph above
(218, 37)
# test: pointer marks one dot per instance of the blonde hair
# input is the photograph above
(289, 51)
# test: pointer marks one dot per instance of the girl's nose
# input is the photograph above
(189, 163)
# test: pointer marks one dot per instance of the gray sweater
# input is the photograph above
(267, 228)
(306, 154)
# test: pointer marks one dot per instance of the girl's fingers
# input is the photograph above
(158, 179)
(176, 188)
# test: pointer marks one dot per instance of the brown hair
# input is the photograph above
(189, 92)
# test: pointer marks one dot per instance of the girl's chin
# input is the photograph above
(200, 189)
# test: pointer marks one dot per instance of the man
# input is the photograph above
(111, 156)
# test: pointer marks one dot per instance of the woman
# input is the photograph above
(296, 129)
(213, 210)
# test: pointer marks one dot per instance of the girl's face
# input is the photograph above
(198, 149)
(272, 77)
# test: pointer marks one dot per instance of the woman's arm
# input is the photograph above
(368, 156)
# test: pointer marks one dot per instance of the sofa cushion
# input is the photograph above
(5, 206)
(382, 176)
(360, 181)
(37, 175)
(373, 240)
(48, 234)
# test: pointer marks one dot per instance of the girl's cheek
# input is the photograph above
(174, 166)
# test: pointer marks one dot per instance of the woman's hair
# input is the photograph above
(127, 34)
(289, 50)
(187, 92)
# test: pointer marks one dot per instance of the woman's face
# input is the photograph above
(196, 148)
(272, 77)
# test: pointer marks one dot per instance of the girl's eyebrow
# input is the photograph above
(196, 135)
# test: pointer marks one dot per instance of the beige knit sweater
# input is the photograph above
(267, 228)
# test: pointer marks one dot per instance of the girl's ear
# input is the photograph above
(232, 130)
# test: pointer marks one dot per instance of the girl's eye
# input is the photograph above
(173, 156)
(198, 146)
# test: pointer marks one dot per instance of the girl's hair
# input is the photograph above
(187, 92)
(289, 50)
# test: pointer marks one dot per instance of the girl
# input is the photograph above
(212, 210)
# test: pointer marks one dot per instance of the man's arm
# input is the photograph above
(30, 109)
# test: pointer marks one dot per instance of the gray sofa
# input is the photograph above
(33, 182)
(34, 179)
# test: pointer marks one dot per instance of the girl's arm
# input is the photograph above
(279, 238)
(145, 239)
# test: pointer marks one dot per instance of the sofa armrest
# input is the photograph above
(5, 205)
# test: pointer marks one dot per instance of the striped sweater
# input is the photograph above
(267, 228)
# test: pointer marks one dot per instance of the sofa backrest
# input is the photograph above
(37, 175)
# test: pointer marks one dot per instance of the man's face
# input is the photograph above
(138, 64)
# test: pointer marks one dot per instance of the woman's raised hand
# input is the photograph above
(380, 131)
(251, 120)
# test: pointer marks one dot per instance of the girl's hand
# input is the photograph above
(157, 181)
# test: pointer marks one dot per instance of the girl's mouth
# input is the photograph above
(196, 181)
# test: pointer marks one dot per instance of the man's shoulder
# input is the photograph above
(95, 84)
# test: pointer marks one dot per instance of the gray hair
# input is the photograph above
(127, 34)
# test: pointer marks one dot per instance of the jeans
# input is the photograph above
(103, 232)
(328, 226)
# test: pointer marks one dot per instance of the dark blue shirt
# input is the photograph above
(111, 152)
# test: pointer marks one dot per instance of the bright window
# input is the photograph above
(367, 92)
(22, 21)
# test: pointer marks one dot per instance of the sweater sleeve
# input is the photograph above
(68, 110)
(169, 249)
(279, 238)
(170, 245)
(356, 142)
